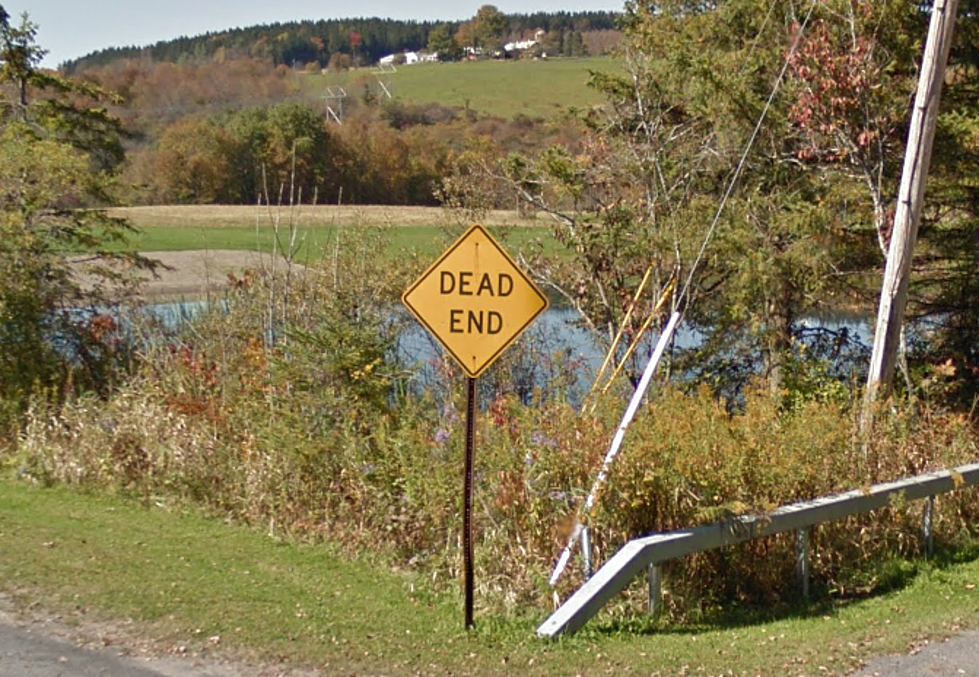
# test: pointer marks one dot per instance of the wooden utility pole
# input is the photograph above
(894, 292)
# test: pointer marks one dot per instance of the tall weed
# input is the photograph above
(314, 432)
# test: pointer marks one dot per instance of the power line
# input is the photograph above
(744, 156)
(579, 529)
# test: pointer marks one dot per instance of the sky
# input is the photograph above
(73, 28)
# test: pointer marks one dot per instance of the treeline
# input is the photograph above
(254, 154)
(391, 153)
(152, 91)
(364, 40)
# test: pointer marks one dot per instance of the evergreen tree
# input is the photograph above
(56, 159)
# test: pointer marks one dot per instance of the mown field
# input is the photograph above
(535, 88)
(423, 230)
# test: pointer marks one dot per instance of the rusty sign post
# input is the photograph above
(467, 498)
(476, 301)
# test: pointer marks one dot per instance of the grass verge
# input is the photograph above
(184, 579)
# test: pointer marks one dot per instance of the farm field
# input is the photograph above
(423, 230)
(534, 88)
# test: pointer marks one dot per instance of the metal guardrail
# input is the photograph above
(639, 554)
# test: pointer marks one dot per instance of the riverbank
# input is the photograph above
(193, 274)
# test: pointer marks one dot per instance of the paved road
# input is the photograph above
(26, 652)
(956, 657)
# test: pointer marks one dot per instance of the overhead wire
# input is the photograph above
(742, 163)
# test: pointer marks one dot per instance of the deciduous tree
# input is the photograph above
(489, 28)
(701, 82)
(193, 164)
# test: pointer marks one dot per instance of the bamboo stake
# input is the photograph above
(635, 343)
(618, 335)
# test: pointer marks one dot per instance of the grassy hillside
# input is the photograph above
(541, 88)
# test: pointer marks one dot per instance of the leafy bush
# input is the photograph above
(287, 409)
(336, 463)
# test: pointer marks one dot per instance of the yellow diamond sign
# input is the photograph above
(475, 300)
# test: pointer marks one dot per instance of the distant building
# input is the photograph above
(408, 58)
(519, 46)
(524, 45)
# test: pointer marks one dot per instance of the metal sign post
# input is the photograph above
(467, 499)
(476, 302)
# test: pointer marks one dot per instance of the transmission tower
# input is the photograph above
(385, 70)
(334, 103)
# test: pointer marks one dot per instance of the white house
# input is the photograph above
(409, 58)
(519, 46)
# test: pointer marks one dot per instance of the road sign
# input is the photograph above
(475, 300)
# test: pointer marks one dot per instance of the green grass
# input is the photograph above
(414, 229)
(543, 88)
(315, 242)
(183, 579)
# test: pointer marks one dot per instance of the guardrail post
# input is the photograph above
(927, 533)
(655, 590)
(586, 552)
(802, 565)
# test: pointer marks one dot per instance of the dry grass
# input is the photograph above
(194, 273)
(222, 216)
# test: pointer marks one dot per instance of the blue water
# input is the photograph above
(174, 313)
(556, 328)
(554, 333)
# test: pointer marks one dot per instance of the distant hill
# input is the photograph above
(364, 40)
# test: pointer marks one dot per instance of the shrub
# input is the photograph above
(289, 412)
(388, 478)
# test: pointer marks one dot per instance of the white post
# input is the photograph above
(927, 524)
(586, 562)
(802, 564)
